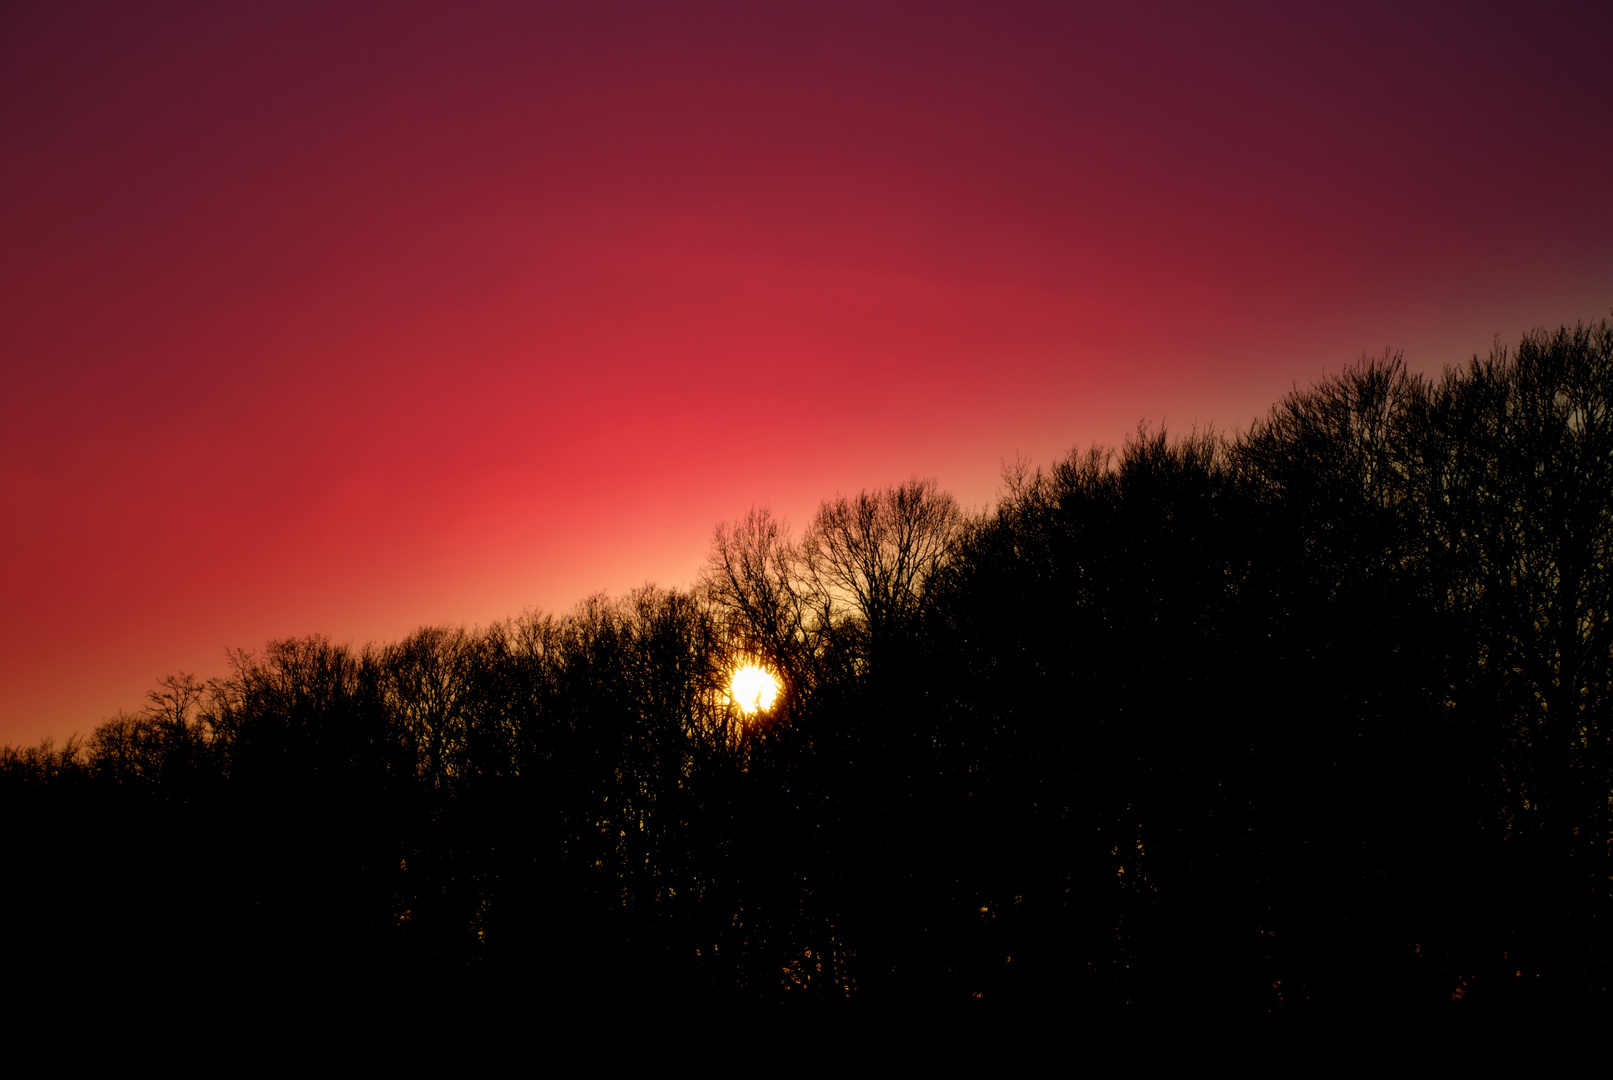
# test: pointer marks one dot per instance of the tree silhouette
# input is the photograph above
(1309, 716)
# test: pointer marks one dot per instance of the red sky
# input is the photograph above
(346, 318)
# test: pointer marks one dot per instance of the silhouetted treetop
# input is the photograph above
(1316, 713)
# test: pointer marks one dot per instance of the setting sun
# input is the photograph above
(753, 689)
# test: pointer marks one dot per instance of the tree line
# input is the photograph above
(1314, 715)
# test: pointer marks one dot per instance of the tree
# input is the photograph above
(877, 552)
(754, 579)
(1515, 485)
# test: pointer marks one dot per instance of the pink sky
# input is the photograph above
(348, 318)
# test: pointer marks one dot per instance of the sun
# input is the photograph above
(753, 689)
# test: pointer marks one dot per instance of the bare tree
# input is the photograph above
(754, 578)
(1516, 478)
(428, 687)
(875, 553)
(175, 704)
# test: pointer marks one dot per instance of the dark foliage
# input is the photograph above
(1318, 714)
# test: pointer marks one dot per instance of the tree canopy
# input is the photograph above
(1317, 713)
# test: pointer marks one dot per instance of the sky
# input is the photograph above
(348, 318)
